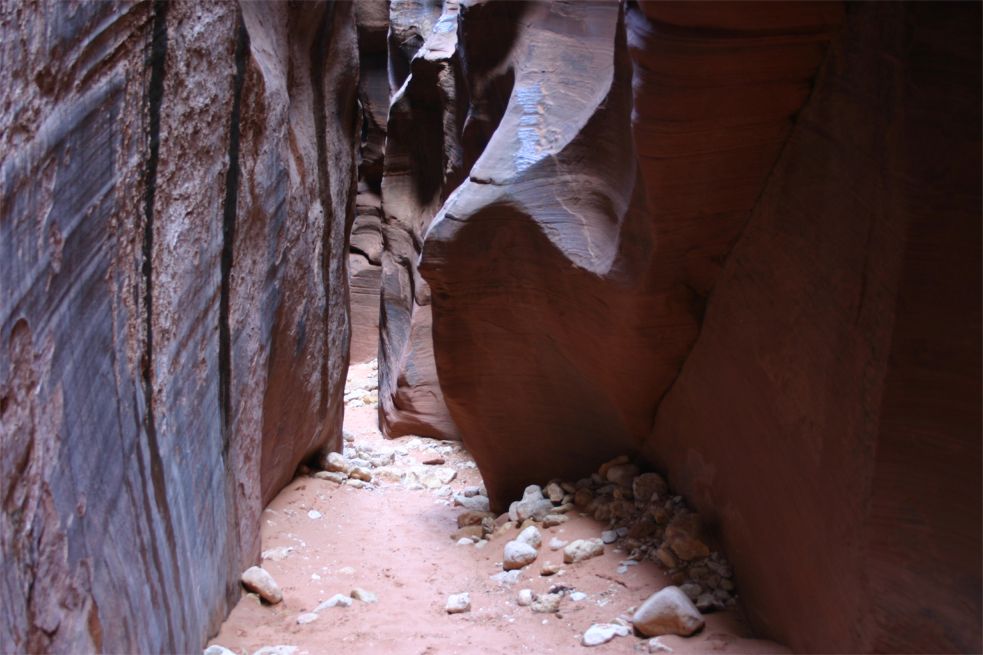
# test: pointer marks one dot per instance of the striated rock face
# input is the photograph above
(703, 234)
(173, 314)
(422, 164)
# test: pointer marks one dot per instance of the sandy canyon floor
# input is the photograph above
(393, 539)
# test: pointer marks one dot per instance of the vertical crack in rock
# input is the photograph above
(318, 56)
(229, 217)
(155, 94)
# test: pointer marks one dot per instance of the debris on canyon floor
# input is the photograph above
(571, 565)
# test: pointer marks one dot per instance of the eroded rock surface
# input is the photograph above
(173, 315)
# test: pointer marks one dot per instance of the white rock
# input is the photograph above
(477, 503)
(314, 514)
(602, 633)
(582, 549)
(465, 541)
(551, 520)
(557, 544)
(507, 577)
(277, 554)
(307, 617)
(656, 646)
(257, 579)
(215, 649)
(276, 650)
(361, 473)
(338, 600)
(547, 603)
(331, 476)
(363, 595)
(531, 536)
(336, 462)
(669, 611)
(578, 596)
(458, 603)
(609, 536)
(525, 597)
(518, 554)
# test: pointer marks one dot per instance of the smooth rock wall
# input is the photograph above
(171, 269)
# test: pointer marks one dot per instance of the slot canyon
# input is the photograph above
(490, 326)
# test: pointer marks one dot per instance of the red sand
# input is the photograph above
(396, 543)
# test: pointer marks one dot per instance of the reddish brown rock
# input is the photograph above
(170, 353)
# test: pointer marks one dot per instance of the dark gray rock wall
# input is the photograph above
(152, 208)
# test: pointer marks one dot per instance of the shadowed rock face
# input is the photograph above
(741, 242)
(173, 314)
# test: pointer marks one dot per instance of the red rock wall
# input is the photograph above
(828, 417)
(703, 236)
(172, 269)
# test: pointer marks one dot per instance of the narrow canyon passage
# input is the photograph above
(398, 539)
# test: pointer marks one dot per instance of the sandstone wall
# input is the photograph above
(172, 267)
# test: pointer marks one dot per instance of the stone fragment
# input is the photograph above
(259, 580)
(357, 484)
(458, 603)
(525, 597)
(655, 645)
(531, 536)
(331, 476)
(582, 549)
(551, 520)
(507, 577)
(336, 462)
(547, 603)
(602, 633)
(622, 474)
(518, 554)
(361, 473)
(276, 650)
(649, 485)
(472, 517)
(682, 535)
(556, 543)
(437, 460)
(307, 617)
(549, 568)
(691, 589)
(609, 536)
(473, 532)
(669, 611)
(583, 497)
(364, 595)
(602, 472)
(338, 600)
(554, 492)
(216, 649)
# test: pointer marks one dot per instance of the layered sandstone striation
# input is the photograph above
(742, 242)
(173, 309)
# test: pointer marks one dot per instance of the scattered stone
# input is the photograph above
(648, 486)
(336, 462)
(361, 473)
(277, 554)
(551, 520)
(434, 461)
(331, 476)
(348, 436)
(691, 589)
(578, 596)
(582, 549)
(276, 650)
(622, 474)
(602, 633)
(531, 536)
(656, 646)
(549, 568)
(259, 580)
(357, 484)
(557, 543)
(507, 577)
(472, 532)
(472, 517)
(465, 541)
(554, 492)
(682, 535)
(525, 597)
(602, 473)
(458, 603)
(547, 603)
(215, 649)
(364, 595)
(669, 611)
(532, 506)
(475, 503)
(338, 600)
(389, 474)
(307, 617)
(583, 497)
(314, 514)
(609, 536)
(518, 554)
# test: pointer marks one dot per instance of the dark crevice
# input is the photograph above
(156, 60)
(318, 61)
(229, 216)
